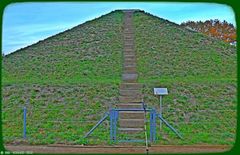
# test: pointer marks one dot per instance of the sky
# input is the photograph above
(27, 23)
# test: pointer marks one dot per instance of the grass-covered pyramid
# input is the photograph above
(69, 80)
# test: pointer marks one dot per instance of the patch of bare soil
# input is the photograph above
(116, 149)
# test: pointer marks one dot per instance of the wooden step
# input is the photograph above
(135, 98)
(130, 130)
(128, 37)
(129, 54)
(128, 24)
(129, 72)
(126, 99)
(129, 77)
(131, 123)
(128, 29)
(129, 62)
(131, 115)
(130, 106)
(131, 86)
(126, 49)
(130, 80)
(128, 44)
(130, 65)
(130, 57)
(124, 92)
(128, 33)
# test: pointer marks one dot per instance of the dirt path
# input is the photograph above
(117, 149)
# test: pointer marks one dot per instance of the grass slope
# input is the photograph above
(72, 78)
(200, 73)
(91, 51)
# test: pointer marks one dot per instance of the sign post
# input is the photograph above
(161, 92)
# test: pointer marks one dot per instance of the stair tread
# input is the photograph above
(132, 112)
(131, 129)
(131, 103)
(131, 119)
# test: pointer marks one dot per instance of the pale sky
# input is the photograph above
(27, 23)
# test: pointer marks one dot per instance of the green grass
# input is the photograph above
(165, 50)
(74, 75)
(72, 78)
(91, 51)
(57, 113)
(200, 74)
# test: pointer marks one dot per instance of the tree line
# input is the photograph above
(215, 28)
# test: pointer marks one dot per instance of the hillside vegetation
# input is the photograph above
(66, 81)
(90, 51)
(215, 28)
(200, 73)
(69, 80)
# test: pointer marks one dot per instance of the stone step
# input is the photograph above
(125, 92)
(128, 37)
(130, 65)
(130, 106)
(130, 130)
(129, 56)
(130, 86)
(125, 99)
(129, 53)
(128, 19)
(128, 32)
(129, 71)
(128, 50)
(129, 77)
(128, 29)
(128, 23)
(130, 62)
(131, 123)
(131, 115)
(131, 97)
(128, 44)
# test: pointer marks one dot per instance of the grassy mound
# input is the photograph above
(90, 52)
(69, 79)
(72, 78)
(200, 73)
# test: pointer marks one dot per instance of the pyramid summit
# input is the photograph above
(80, 73)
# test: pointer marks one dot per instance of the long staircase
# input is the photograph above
(130, 90)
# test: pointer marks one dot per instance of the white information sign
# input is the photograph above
(160, 91)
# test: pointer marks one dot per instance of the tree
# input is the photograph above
(215, 28)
